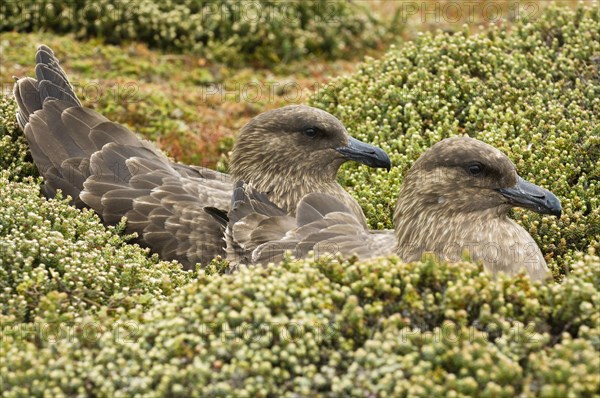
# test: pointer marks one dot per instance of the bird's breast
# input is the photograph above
(498, 242)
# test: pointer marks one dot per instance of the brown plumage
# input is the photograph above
(104, 166)
(455, 199)
(306, 147)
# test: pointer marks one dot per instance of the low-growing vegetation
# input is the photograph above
(58, 262)
(327, 328)
(231, 31)
(86, 312)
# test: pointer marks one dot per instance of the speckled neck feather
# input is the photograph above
(275, 173)
(426, 222)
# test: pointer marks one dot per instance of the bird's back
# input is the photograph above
(259, 232)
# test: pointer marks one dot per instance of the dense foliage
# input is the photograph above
(14, 152)
(232, 31)
(328, 328)
(84, 313)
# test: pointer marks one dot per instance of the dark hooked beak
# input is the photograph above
(365, 153)
(530, 196)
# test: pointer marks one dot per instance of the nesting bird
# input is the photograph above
(288, 153)
(455, 199)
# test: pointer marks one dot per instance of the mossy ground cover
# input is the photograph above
(84, 313)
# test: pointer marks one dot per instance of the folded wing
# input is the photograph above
(104, 166)
(258, 232)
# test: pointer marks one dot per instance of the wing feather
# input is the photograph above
(324, 225)
(105, 166)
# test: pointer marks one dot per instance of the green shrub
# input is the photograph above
(532, 91)
(59, 263)
(14, 151)
(329, 328)
(263, 32)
